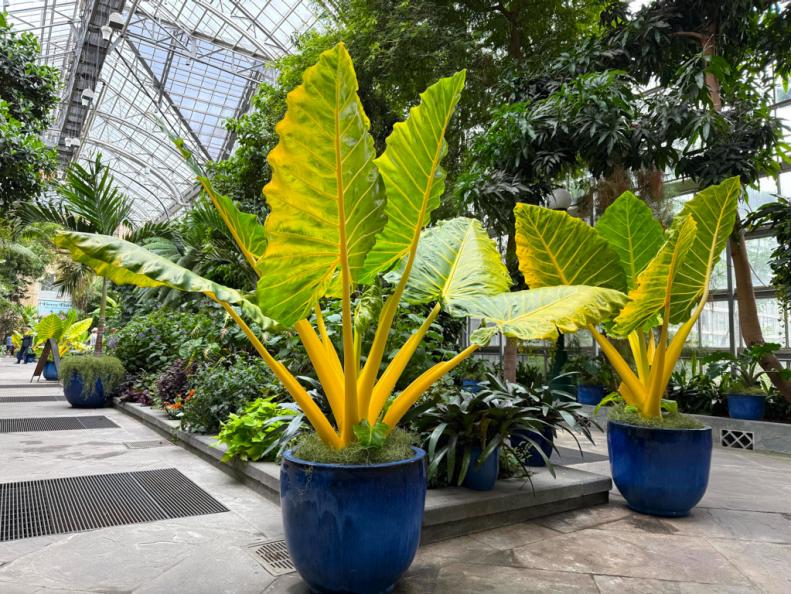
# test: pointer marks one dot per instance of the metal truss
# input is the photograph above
(179, 68)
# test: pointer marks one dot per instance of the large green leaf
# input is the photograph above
(539, 314)
(326, 198)
(125, 263)
(411, 171)
(555, 248)
(630, 228)
(456, 260)
(714, 210)
(48, 327)
(244, 227)
(647, 301)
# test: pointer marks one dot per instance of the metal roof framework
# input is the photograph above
(177, 68)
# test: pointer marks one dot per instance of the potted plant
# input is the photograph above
(68, 333)
(659, 459)
(742, 383)
(339, 219)
(88, 380)
(555, 409)
(594, 378)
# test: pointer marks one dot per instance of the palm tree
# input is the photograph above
(89, 202)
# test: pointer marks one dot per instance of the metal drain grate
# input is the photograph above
(55, 424)
(273, 556)
(144, 445)
(737, 439)
(75, 504)
(31, 398)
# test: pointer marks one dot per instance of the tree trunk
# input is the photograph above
(510, 359)
(748, 312)
(100, 327)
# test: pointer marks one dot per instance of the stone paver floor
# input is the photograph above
(737, 540)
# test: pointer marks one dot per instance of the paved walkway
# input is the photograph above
(738, 540)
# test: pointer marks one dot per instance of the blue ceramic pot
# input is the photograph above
(545, 440)
(470, 385)
(746, 406)
(662, 472)
(590, 394)
(482, 477)
(352, 528)
(72, 389)
(50, 371)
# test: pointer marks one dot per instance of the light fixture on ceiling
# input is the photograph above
(87, 97)
(146, 170)
(559, 199)
(107, 32)
(72, 141)
(116, 21)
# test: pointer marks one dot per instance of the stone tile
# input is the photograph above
(767, 565)
(630, 554)
(460, 578)
(586, 518)
(287, 584)
(464, 548)
(735, 524)
(510, 537)
(608, 584)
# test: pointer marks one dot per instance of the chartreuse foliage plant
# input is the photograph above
(67, 332)
(341, 216)
(666, 273)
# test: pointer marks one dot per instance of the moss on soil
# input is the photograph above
(398, 446)
(666, 421)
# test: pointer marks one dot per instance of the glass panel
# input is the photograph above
(714, 325)
(772, 321)
(764, 194)
(759, 251)
(719, 276)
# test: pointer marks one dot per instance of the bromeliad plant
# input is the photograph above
(666, 273)
(339, 218)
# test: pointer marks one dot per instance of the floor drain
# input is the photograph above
(273, 556)
(76, 504)
(30, 398)
(737, 439)
(55, 424)
(144, 445)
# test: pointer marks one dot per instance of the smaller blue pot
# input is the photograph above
(749, 407)
(661, 472)
(545, 440)
(50, 372)
(72, 389)
(470, 385)
(482, 477)
(590, 394)
(352, 528)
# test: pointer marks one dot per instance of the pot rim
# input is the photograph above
(420, 454)
(704, 428)
(745, 394)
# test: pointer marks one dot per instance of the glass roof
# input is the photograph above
(180, 67)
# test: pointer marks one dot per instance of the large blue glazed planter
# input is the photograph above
(482, 477)
(470, 385)
(50, 372)
(662, 472)
(72, 389)
(352, 528)
(590, 394)
(545, 440)
(749, 407)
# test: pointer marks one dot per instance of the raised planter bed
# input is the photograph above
(449, 512)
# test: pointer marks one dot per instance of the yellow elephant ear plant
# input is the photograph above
(340, 217)
(667, 275)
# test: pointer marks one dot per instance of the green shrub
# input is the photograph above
(109, 369)
(250, 434)
(668, 420)
(226, 387)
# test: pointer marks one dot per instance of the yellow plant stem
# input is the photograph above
(229, 225)
(331, 381)
(298, 393)
(384, 387)
(638, 346)
(415, 390)
(325, 339)
(651, 406)
(679, 340)
(637, 389)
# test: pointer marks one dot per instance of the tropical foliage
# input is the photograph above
(339, 216)
(69, 334)
(666, 272)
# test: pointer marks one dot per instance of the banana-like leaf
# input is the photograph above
(76, 330)
(326, 196)
(539, 314)
(455, 261)
(647, 301)
(630, 228)
(714, 210)
(555, 248)
(48, 327)
(125, 263)
(411, 171)
(244, 227)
